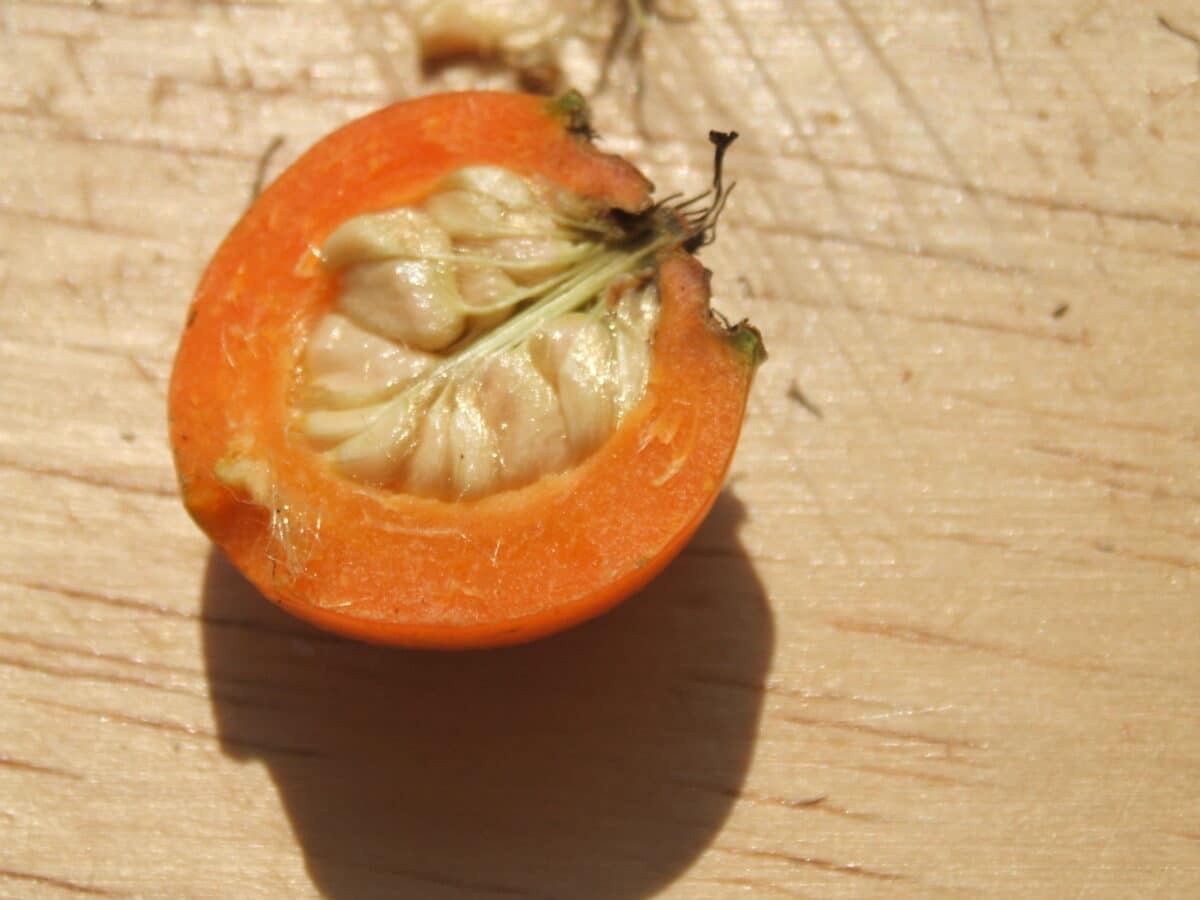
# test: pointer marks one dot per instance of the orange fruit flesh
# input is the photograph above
(397, 569)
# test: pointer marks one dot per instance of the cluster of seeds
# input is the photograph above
(493, 334)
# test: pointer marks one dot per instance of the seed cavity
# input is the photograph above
(495, 333)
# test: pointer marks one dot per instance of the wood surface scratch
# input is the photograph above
(869, 129)
(74, 673)
(818, 236)
(910, 634)
(1180, 33)
(21, 765)
(72, 222)
(434, 878)
(825, 865)
(62, 884)
(1181, 220)
(888, 734)
(41, 471)
(909, 98)
(984, 8)
(835, 191)
(182, 729)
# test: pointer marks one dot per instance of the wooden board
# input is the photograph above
(941, 635)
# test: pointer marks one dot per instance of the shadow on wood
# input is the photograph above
(598, 763)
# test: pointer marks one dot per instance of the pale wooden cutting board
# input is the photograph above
(942, 634)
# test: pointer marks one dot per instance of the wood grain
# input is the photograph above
(942, 634)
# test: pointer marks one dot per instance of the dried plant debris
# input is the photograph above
(547, 43)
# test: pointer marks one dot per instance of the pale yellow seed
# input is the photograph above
(507, 188)
(378, 236)
(521, 408)
(410, 301)
(349, 366)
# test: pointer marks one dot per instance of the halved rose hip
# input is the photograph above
(453, 381)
